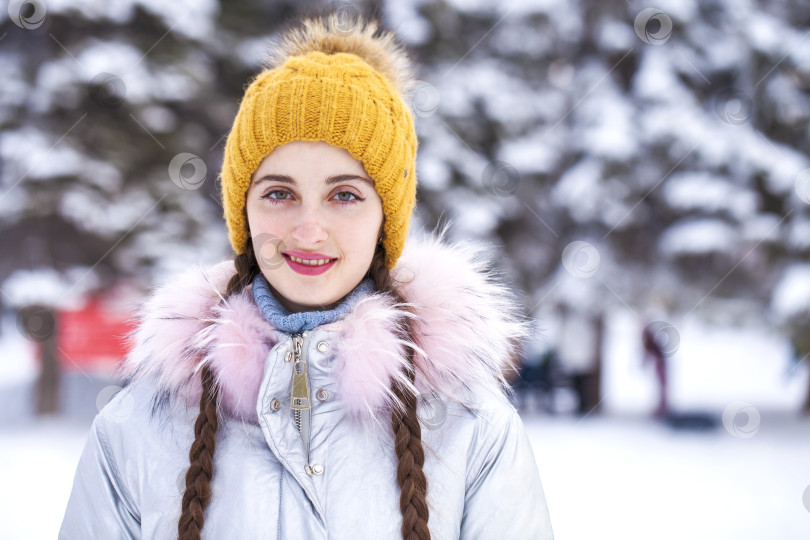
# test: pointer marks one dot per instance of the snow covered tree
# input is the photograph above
(663, 148)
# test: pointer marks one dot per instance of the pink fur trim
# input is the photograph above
(466, 326)
(370, 353)
(240, 343)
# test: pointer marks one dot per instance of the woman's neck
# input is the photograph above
(293, 307)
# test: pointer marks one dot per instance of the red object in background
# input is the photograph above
(92, 338)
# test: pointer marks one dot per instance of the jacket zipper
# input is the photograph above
(300, 401)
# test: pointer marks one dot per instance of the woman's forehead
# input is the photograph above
(329, 180)
(302, 160)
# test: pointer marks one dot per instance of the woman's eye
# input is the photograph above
(347, 193)
(269, 195)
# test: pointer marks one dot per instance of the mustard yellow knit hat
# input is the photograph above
(329, 80)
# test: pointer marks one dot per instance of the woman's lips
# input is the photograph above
(307, 269)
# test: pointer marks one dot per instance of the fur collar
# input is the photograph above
(467, 330)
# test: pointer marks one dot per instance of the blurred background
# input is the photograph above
(640, 170)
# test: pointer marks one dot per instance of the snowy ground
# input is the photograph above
(37, 463)
(627, 478)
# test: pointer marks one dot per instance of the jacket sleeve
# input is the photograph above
(504, 495)
(100, 506)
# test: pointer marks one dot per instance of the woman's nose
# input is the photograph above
(309, 230)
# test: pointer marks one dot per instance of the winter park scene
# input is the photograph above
(635, 175)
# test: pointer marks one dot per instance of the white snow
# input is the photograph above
(56, 85)
(709, 368)
(606, 120)
(530, 154)
(408, 23)
(193, 18)
(791, 297)
(578, 189)
(122, 68)
(14, 89)
(158, 119)
(208, 246)
(588, 196)
(617, 35)
(626, 478)
(516, 8)
(118, 12)
(474, 216)
(698, 236)
(799, 233)
(701, 190)
(433, 171)
(720, 54)
(656, 78)
(506, 97)
(17, 354)
(781, 163)
(48, 287)
(37, 462)
(765, 32)
(252, 51)
(33, 154)
(105, 215)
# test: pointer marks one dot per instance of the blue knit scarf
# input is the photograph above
(293, 323)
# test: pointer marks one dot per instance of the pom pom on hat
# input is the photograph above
(336, 35)
(330, 80)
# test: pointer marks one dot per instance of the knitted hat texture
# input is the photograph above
(348, 88)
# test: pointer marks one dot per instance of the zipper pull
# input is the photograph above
(299, 399)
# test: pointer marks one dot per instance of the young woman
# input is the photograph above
(339, 378)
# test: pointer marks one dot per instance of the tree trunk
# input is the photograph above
(593, 385)
(806, 406)
(40, 324)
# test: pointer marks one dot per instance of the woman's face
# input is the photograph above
(313, 201)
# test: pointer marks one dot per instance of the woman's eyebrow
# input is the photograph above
(329, 181)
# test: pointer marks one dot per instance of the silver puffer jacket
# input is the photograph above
(318, 463)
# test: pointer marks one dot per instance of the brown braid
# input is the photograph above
(408, 434)
(198, 476)
(201, 455)
(407, 431)
(411, 458)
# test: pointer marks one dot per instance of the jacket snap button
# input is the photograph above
(275, 404)
(288, 356)
(316, 469)
(323, 346)
(322, 394)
